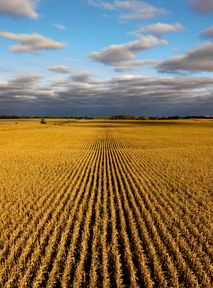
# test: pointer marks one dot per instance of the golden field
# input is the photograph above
(106, 204)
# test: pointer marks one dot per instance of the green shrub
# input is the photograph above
(43, 121)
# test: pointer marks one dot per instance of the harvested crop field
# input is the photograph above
(106, 204)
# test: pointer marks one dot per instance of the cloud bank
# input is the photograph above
(139, 95)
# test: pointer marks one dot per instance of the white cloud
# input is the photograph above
(24, 97)
(19, 8)
(60, 69)
(202, 6)
(197, 59)
(31, 42)
(160, 28)
(124, 55)
(59, 27)
(129, 9)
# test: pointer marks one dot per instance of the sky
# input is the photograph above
(102, 58)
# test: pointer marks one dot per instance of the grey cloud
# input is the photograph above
(19, 8)
(130, 9)
(60, 69)
(83, 77)
(160, 28)
(208, 33)
(125, 94)
(22, 87)
(202, 6)
(123, 55)
(24, 80)
(31, 42)
(198, 59)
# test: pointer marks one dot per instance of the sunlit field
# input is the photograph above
(106, 203)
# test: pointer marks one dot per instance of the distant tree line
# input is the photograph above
(114, 117)
(129, 117)
(145, 117)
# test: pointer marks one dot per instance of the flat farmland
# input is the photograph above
(106, 204)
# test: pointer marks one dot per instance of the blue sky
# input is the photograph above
(99, 57)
